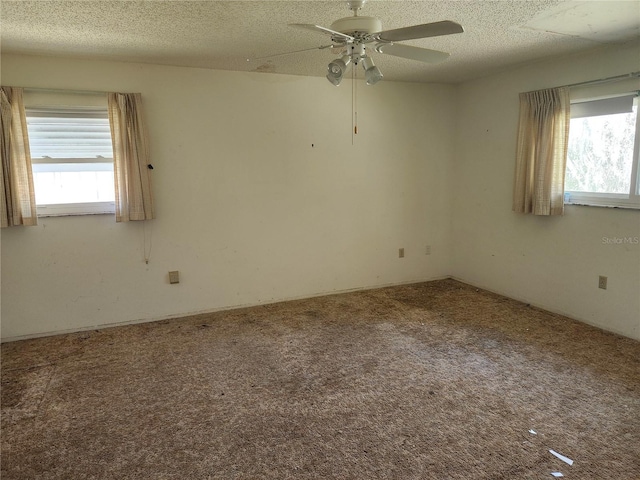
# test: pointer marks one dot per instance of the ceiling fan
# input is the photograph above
(352, 35)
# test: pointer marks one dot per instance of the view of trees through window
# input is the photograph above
(600, 154)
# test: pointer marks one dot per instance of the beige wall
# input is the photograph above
(549, 262)
(247, 210)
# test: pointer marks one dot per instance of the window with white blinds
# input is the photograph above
(72, 159)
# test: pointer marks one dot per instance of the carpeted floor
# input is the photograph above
(436, 380)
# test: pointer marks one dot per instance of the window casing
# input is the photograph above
(72, 160)
(602, 159)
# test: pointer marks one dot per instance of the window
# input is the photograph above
(602, 158)
(72, 158)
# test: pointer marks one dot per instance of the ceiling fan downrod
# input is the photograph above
(355, 5)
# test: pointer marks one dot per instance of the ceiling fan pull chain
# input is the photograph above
(355, 101)
(354, 104)
(353, 122)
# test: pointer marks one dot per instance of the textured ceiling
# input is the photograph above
(223, 34)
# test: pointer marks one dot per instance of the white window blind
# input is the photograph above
(606, 106)
(71, 135)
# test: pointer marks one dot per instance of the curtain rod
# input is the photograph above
(603, 80)
(60, 90)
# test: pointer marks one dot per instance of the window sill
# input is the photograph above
(617, 207)
(606, 200)
(76, 209)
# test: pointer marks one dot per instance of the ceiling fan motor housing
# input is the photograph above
(357, 26)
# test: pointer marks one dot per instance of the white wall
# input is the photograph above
(247, 210)
(549, 262)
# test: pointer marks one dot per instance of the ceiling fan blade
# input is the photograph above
(413, 53)
(322, 47)
(319, 29)
(425, 30)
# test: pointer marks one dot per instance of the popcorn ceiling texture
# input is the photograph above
(222, 35)
(426, 381)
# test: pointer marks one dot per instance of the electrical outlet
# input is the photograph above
(427, 251)
(174, 277)
(401, 253)
(602, 282)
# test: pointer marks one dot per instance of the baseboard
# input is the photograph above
(547, 308)
(213, 310)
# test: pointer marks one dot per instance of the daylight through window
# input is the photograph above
(602, 158)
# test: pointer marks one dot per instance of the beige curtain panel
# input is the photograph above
(18, 196)
(543, 136)
(131, 160)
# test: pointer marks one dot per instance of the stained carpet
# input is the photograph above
(436, 380)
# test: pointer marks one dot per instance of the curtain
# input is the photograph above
(131, 161)
(541, 156)
(16, 186)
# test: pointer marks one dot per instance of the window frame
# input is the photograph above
(76, 208)
(614, 200)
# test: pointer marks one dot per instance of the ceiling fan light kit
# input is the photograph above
(337, 69)
(350, 36)
(372, 74)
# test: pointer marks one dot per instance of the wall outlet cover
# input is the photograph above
(602, 282)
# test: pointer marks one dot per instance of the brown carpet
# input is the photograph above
(436, 380)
